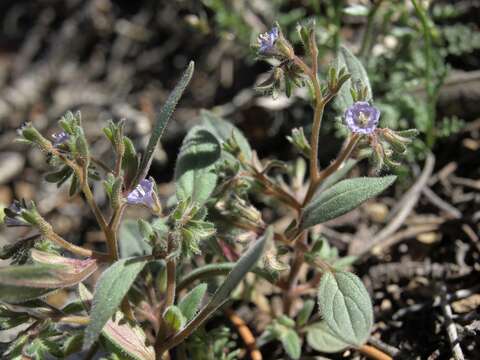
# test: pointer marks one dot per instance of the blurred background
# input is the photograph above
(119, 59)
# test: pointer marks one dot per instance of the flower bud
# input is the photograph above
(300, 142)
(29, 133)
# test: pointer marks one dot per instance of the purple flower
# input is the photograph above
(362, 118)
(60, 138)
(142, 194)
(266, 41)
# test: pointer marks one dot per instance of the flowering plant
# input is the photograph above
(165, 276)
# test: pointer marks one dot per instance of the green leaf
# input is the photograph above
(128, 339)
(162, 121)
(341, 198)
(112, 286)
(191, 302)
(174, 318)
(242, 266)
(305, 312)
(345, 58)
(321, 338)
(345, 306)
(291, 344)
(27, 282)
(223, 130)
(194, 173)
(131, 242)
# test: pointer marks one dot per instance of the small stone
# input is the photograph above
(466, 305)
(429, 238)
(386, 305)
(377, 211)
(11, 164)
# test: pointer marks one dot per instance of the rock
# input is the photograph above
(11, 164)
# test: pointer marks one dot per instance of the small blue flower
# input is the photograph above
(142, 194)
(362, 118)
(266, 41)
(60, 138)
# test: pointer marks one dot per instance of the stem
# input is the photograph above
(374, 353)
(77, 320)
(317, 116)
(169, 300)
(294, 272)
(170, 295)
(344, 155)
(57, 239)
(93, 205)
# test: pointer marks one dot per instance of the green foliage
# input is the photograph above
(345, 59)
(162, 121)
(195, 178)
(342, 198)
(345, 306)
(191, 302)
(131, 242)
(224, 131)
(320, 338)
(111, 288)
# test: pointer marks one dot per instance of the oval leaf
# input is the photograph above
(345, 306)
(291, 344)
(162, 120)
(342, 197)
(321, 338)
(194, 175)
(112, 286)
(190, 303)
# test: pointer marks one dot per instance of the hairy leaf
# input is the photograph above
(194, 173)
(112, 286)
(321, 338)
(242, 266)
(223, 130)
(131, 242)
(345, 306)
(291, 343)
(358, 73)
(162, 121)
(27, 282)
(341, 198)
(191, 302)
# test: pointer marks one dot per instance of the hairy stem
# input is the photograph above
(57, 239)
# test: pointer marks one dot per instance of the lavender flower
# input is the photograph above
(362, 118)
(60, 138)
(142, 194)
(13, 214)
(266, 41)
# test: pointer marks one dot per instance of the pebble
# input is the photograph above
(11, 164)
